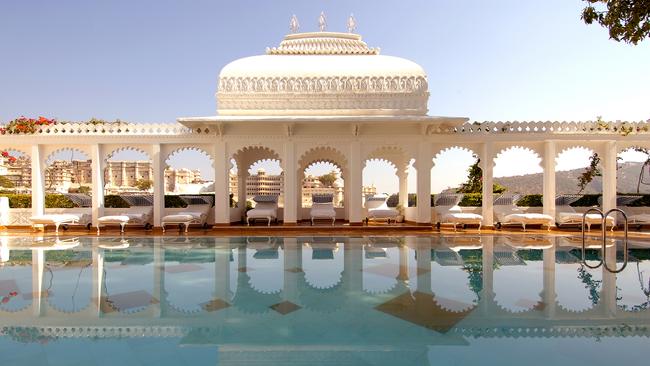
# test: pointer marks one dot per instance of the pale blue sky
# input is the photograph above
(156, 60)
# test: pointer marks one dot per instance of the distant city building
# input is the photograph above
(18, 171)
(125, 174)
(263, 184)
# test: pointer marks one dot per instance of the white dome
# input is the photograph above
(322, 74)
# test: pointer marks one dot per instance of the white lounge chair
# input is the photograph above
(322, 207)
(134, 215)
(508, 213)
(63, 219)
(567, 215)
(266, 208)
(378, 209)
(638, 219)
(448, 212)
(196, 212)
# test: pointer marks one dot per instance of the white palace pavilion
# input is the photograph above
(325, 97)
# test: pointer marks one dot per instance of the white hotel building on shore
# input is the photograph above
(325, 97)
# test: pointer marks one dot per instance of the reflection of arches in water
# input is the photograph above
(249, 301)
(266, 259)
(70, 281)
(120, 292)
(577, 288)
(380, 268)
(16, 284)
(323, 300)
(451, 284)
(526, 295)
(322, 264)
(634, 285)
(189, 278)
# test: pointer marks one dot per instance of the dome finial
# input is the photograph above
(294, 25)
(352, 24)
(322, 23)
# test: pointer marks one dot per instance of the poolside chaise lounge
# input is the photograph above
(378, 209)
(63, 219)
(322, 207)
(138, 215)
(196, 212)
(638, 219)
(266, 208)
(448, 212)
(566, 215)
(508, 213)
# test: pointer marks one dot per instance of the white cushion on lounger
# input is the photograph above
(462, 218)
(639, 218)
(529, 218)
(576, 217)
(54, 218)
(262, 213)
(180, 217)
(114, 219)
(322, 210)
(382, 213)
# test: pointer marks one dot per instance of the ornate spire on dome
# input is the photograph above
(322, 43)
(322, 22)
(293, 24)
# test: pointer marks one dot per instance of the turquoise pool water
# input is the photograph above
(455, 300)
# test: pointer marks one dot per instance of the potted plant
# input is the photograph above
(400, 217)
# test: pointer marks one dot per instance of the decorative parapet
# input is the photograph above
(322, 43)
(588, 127)
(133, 129)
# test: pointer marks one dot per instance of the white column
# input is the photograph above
(424, 163)
(487, 166)
(549, 178)
(290, 184)
(97, 171)
(609, 176)
(403, 176)
(158, 184)
(241, 188)
(221, 180)
(38, 181)
(354, 187)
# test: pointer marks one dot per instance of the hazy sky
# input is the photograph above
(156, 60)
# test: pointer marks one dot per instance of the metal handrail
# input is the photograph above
(584, 222)
(625, 255)
(603, 225)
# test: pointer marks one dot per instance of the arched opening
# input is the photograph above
(189, 171)
(322, 178)
(15, 172)
(68, 179)
(128, 170)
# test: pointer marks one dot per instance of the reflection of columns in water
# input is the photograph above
(487, 293)
(423, 249)
(608, 293)
(159, 279)
(403, 274)
(548, 293)
(98, 279)
(353, 265)
(292, 269)
(38, 264)
(222, 271)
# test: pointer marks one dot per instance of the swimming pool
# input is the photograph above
(453, 300)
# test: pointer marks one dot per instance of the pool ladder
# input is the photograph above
(603, 225)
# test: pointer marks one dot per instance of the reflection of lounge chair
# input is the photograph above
(378, 209)
(567, 215)
(508, 213)
(448, 212)
(122, 244)
(458, 243)
(374, 252)
(266, 208)
(529, 242)
(196, 212)
(265, 247)
(506, 256)
(446, 257)
(323, 247)
(64, 220)
(322, 207)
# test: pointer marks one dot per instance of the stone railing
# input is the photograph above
(589, 127)
(155, 129)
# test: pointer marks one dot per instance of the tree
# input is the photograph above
(328, 179)
(474, 183)
(143, 184)
(590, 172)
(626, 20)
(84, 189)
(6, 182)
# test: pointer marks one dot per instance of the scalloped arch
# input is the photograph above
(393, 155)
(451, 148)
(48, 159)
(249, 155)
(181, 149)
(322, 154)
(110, 155)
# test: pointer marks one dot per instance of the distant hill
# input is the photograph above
(566, 182)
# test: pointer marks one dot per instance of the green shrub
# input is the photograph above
(57, 201)
(19, 200)
(114, 201)
(472, 200)
(587, 200)
(644, 201)
(531, 200)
